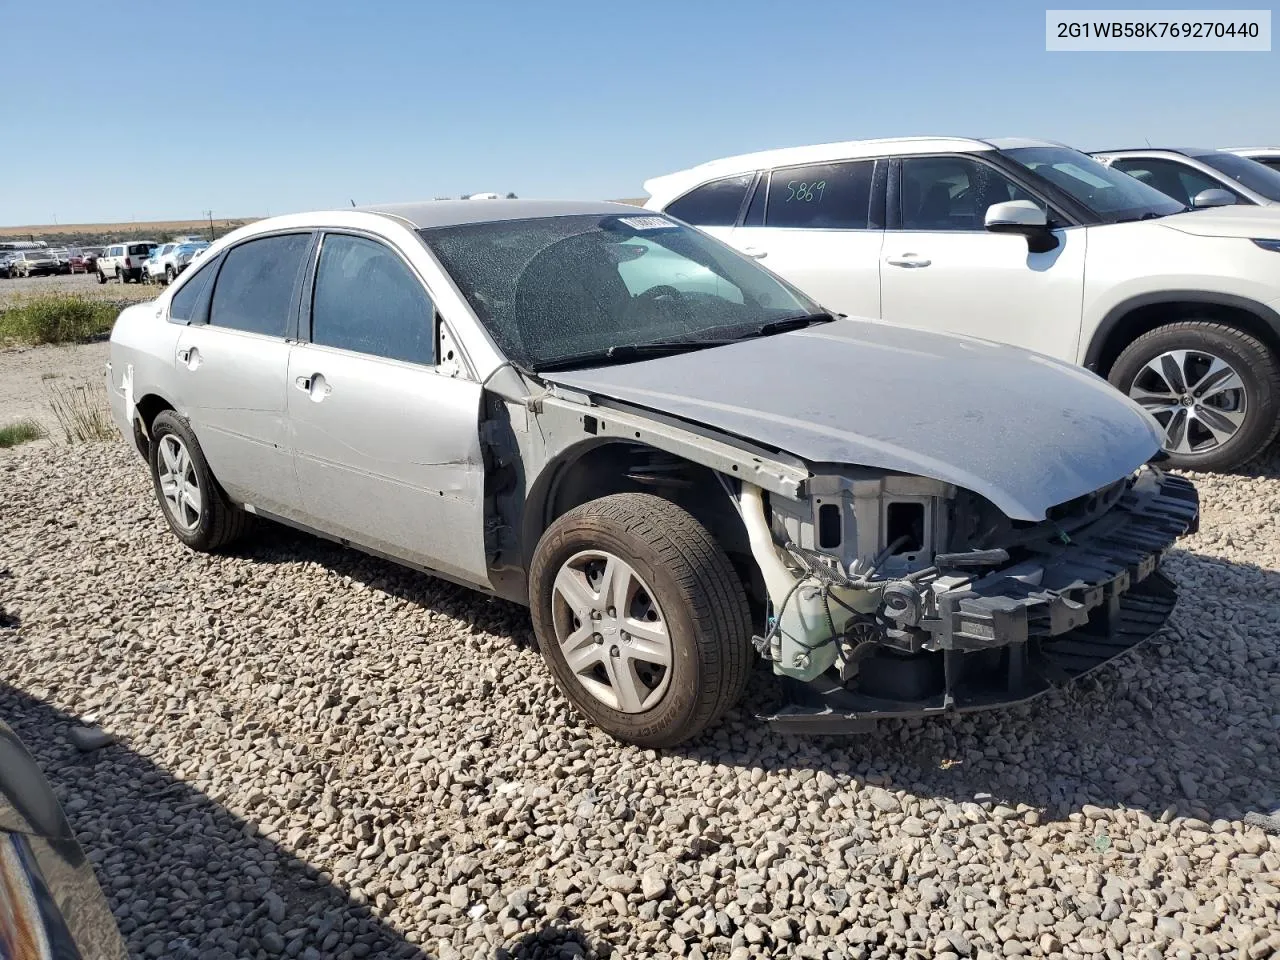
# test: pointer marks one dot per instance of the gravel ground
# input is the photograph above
(85, 284)
(324, 755)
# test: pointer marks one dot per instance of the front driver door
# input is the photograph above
(942, 270)
(387, 447)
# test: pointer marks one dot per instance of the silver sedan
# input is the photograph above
(680, 462)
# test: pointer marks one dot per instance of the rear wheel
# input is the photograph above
(169, 274)
(1215, 391)
(198, 512)
(641, 618)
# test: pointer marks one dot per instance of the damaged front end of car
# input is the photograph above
(901, 596)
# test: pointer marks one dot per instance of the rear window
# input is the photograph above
(138, 248)
(825, 196)
(713, 204)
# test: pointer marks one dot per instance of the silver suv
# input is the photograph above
(673, 457)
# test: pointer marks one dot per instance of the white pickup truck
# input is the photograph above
(123, 261)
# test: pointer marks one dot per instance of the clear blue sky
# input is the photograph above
(113, 111)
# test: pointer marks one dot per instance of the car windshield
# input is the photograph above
(1248, 173)
(555, 290)
(1112, 195)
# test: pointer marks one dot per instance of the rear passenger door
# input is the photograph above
(387, 445)
(232, 362)
(821, 227)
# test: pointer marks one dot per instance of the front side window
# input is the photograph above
(830, 196)
(367, 300)
(1178, 180)
(1248, 173)
(952, 193)
(255, 285)
(1110, 194)
(553, 289)
(713, 204)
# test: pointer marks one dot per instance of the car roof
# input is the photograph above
(671, 184)
(1185, 151)
(448, 213)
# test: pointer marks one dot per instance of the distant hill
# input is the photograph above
(100, 233)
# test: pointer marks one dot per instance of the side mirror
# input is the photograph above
(1024, 217)
(1213, 197)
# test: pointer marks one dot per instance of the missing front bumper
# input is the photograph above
(1003, 641)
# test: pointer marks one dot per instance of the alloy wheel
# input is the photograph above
(179, 484)
(611, 632)
(1199, 399)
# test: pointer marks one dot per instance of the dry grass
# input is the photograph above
(57, 318)
(23, 431)
(82, 411)
(158, 227)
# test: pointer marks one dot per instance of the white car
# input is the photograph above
(1187, 174)
(1030, 243)
(1268, 156)
(170, 259)
(124, 261)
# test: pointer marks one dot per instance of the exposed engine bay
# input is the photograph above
(894, 595)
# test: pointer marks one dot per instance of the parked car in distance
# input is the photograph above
(50, 901)
(36, 263)
(1030, 243)
(124, 261)
(1267, 156)
(153, 268)
(91, 255)
(1187, 174)
(553, 402)
(170, 259)
(6, 260)
(76, 262)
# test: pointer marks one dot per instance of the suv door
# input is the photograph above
(387, 445)
(943, 270)
(232, 368)
(821, 227)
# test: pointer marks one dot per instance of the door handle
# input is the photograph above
(909, 260)
(315, 386)
(755, 253)
(190, 357)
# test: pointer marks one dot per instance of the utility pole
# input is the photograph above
(209, 214)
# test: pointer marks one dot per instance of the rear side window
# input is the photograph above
(255, 285)
(714, 204)
(366, 299)
(824, 196)
(182, 307)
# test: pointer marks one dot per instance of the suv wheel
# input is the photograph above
(1214, 389)
(641, 618)
(198, 512)
(102, 277)
(120, 276)
(169, 274)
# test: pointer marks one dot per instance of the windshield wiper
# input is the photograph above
(622, 352)
(791, 323)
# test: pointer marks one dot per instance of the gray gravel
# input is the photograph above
(320, 754)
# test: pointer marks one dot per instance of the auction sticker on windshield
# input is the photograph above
(646, 223)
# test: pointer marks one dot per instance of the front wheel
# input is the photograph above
(102, 277)
(198, 512)
(169, 275)
(1215, 391)
(641, 618)
(120, 276)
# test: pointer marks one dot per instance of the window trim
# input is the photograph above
(291, 324)
(893, 198)
(307, 302)
(875, 196)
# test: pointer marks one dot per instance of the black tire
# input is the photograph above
(169, 274)
(120, 276)
(701, 598)
(102, 277)
(1257, 367)
(220, 522)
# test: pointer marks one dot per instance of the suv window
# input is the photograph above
(255, 285)
(1174, 179)
(714, 204)
(366, 299)
(135, 249)
(824, 196)
(952, 193)
(114, 251)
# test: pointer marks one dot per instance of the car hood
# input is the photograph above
(1023, 430)
(1260, 223)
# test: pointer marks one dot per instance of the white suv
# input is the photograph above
(124, 261)
(1030, 243)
